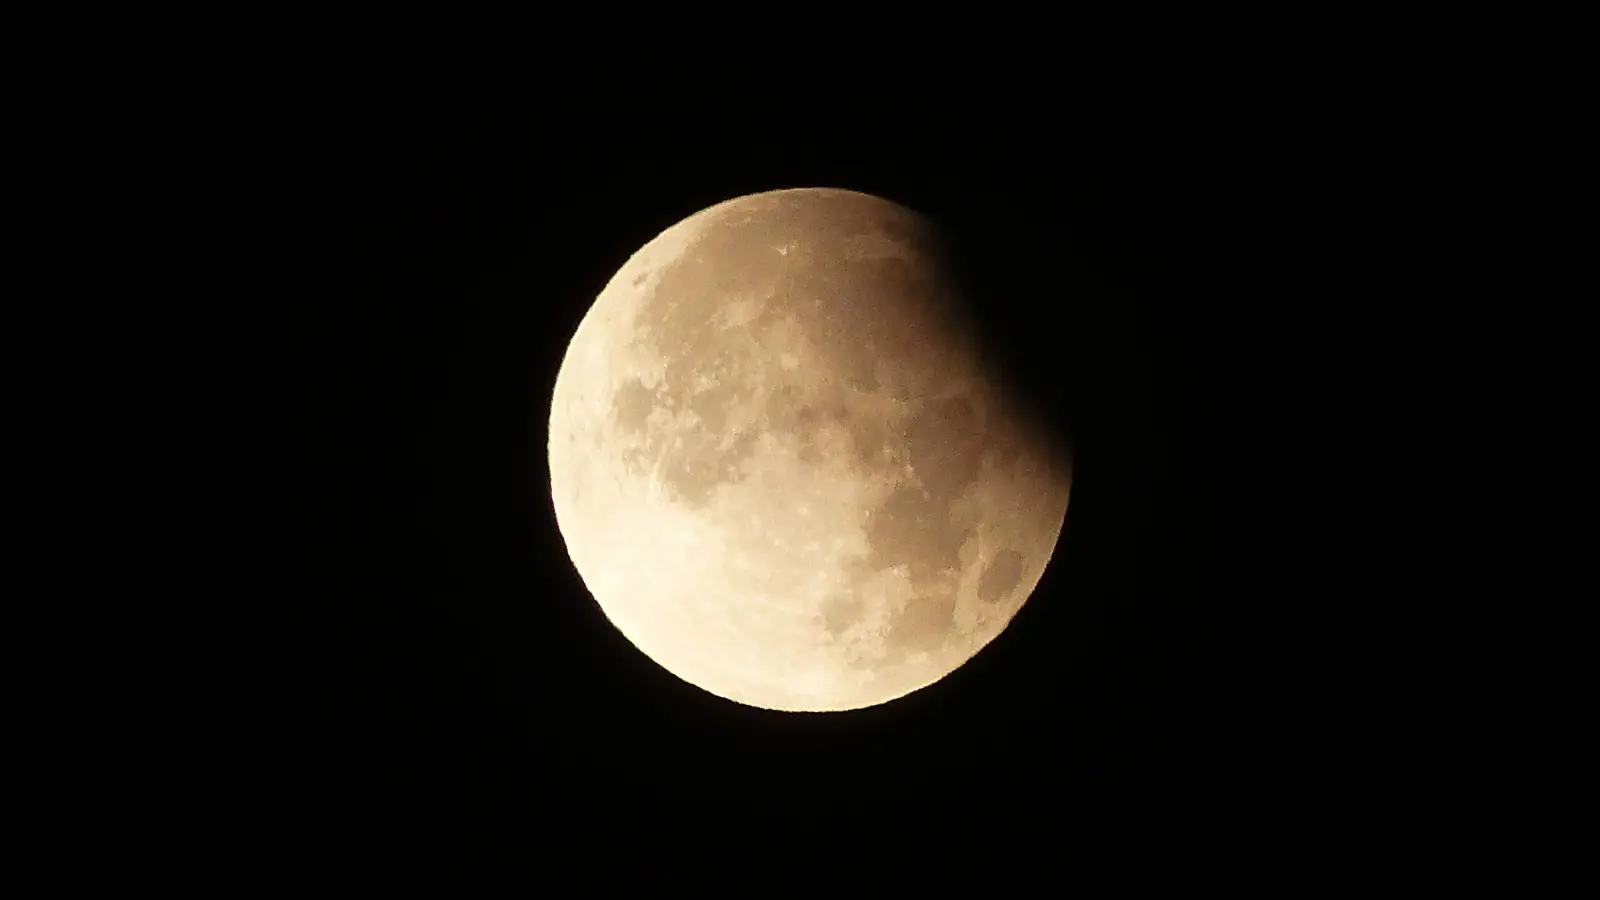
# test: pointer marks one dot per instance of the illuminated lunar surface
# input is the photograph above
(779, 467)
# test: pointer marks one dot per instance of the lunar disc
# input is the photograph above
(779, 466)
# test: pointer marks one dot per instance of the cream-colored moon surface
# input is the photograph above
(779, 466)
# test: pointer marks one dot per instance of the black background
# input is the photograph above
(340, 650)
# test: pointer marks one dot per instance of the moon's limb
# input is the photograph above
(778, 466)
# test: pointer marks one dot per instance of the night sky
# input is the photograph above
(338, 648)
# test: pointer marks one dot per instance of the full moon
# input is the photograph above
(781, 466)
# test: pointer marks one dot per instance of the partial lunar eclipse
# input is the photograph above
(779, 466)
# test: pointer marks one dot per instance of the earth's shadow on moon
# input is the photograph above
(1025, 336)
(1061, 328)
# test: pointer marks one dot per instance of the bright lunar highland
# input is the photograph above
(780, 465)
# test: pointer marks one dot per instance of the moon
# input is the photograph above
(780, 465)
